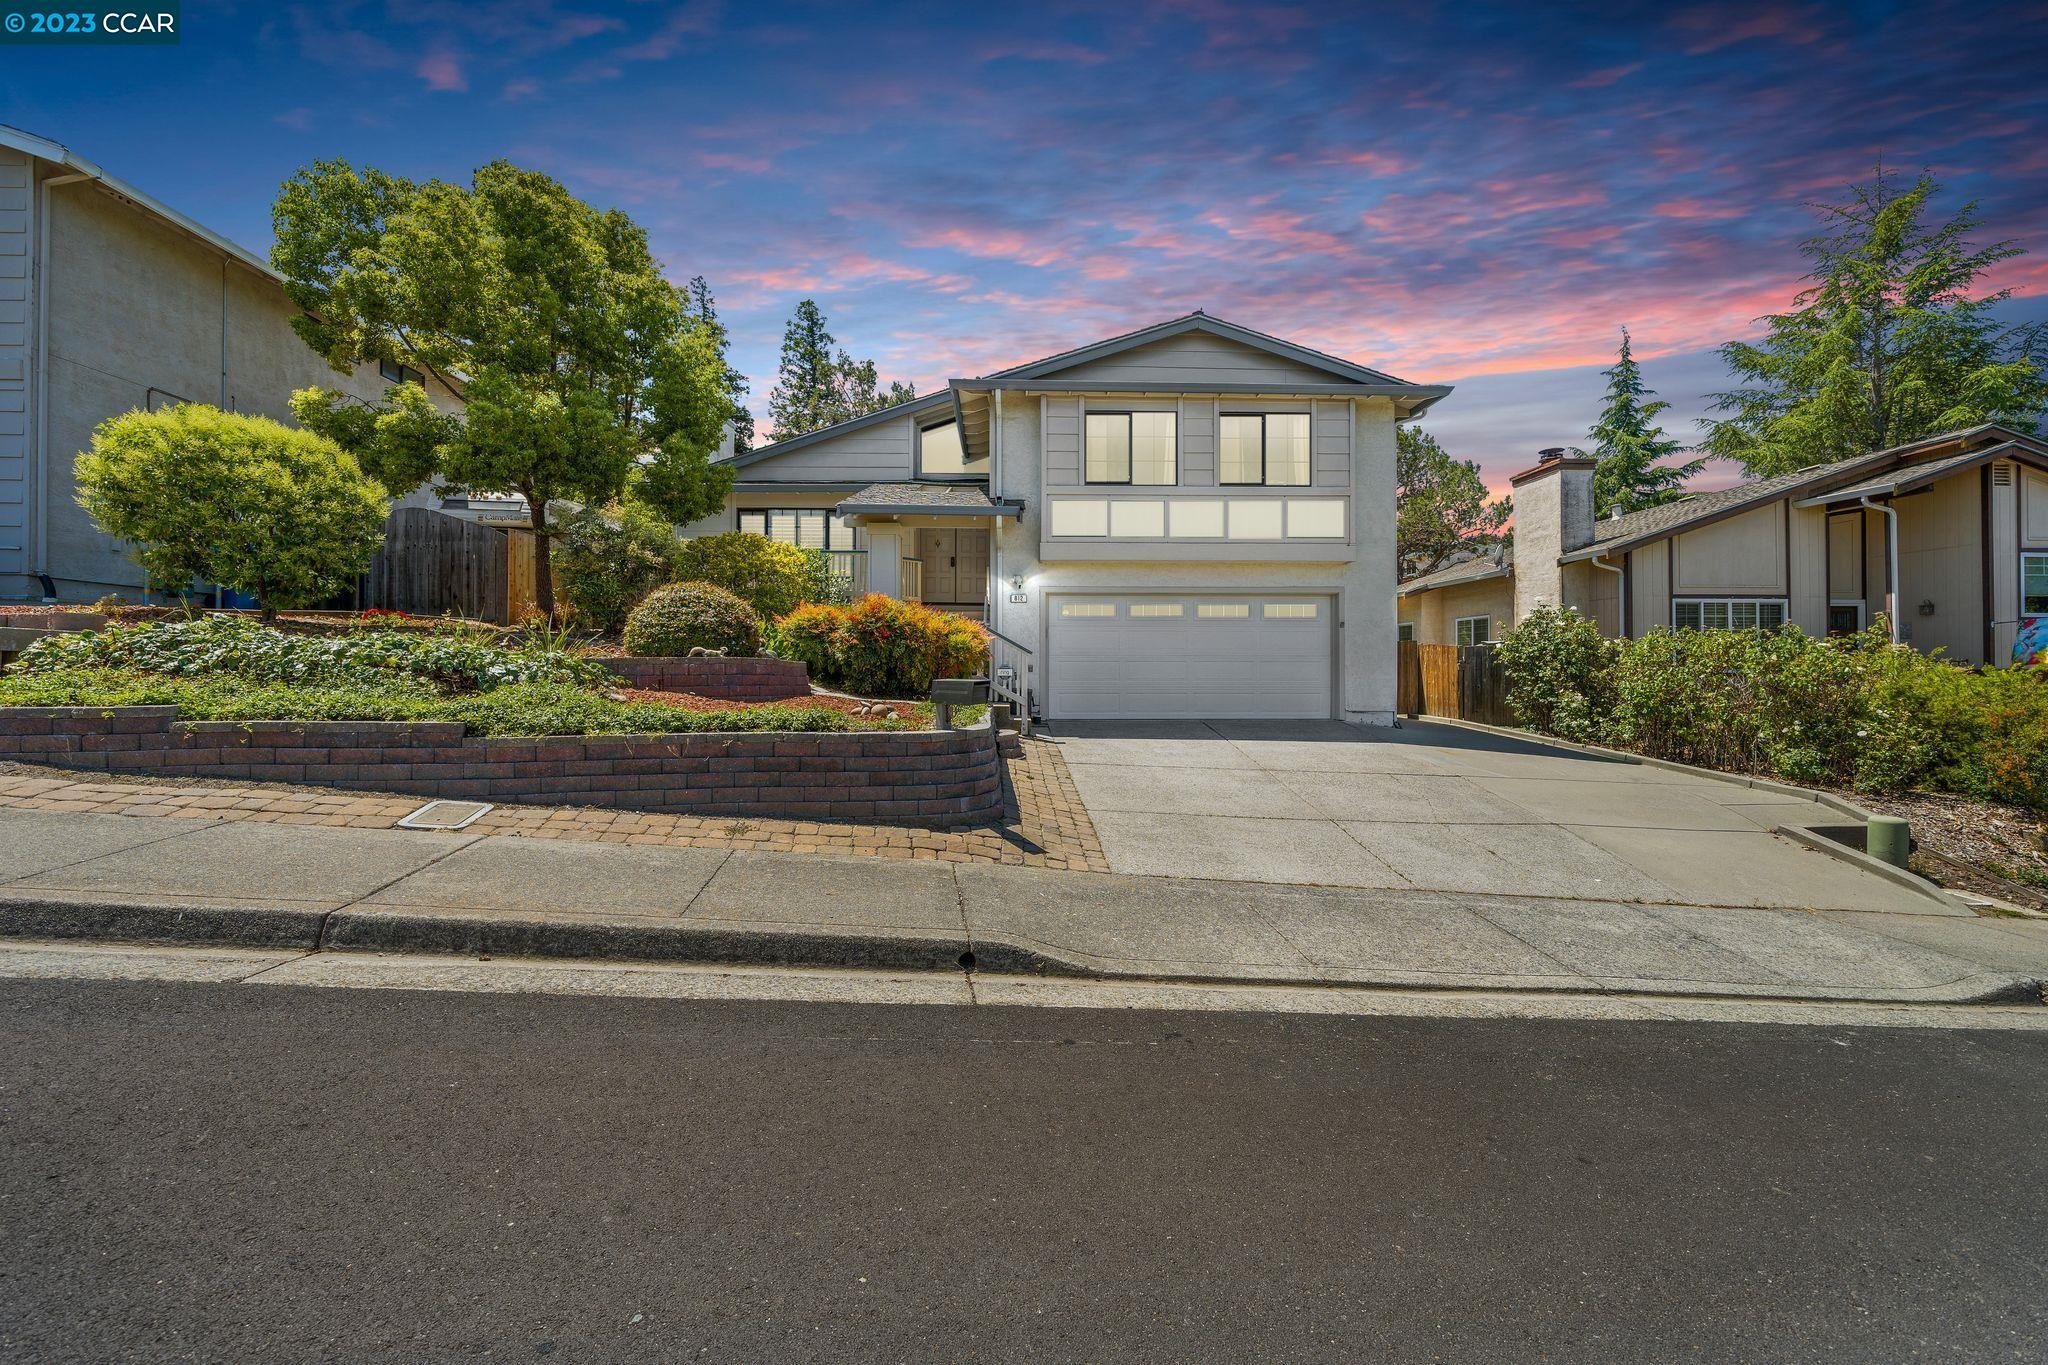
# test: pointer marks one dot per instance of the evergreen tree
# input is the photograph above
(698, 300)
(806, 392)
(1889, 342)
(1442, 504)
(1631, 447)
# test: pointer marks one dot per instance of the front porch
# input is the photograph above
(930, 543)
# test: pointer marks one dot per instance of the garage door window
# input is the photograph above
(1224, 611)
(1291, 611)
(1154, 610)
(1087, 608)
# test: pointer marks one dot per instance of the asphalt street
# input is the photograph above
(214, 1172)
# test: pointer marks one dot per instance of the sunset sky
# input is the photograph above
(1462, 193)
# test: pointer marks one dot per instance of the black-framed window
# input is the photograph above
(1406, 630)
(941, 455)
(396, 373)
(1264, 448)
(2034, 583)
(1141, 448)
(809, 528)
(1728, 613)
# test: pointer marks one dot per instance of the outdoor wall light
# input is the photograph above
(1016, 582)
(1927, 607)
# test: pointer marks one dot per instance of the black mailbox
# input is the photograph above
(959, 691)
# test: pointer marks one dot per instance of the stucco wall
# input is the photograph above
(1435, 611)
(142, 315)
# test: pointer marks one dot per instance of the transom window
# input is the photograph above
(941, 456)
(1474, 630)
(1269, 448)
(1133, 448)
(2034, 583)
(809, 528)
(1728, 613)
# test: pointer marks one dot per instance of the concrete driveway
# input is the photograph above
(1442, 808)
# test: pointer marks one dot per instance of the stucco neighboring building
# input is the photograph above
(111, 301)
(1192, 520)
(1467, 603)
(1945, 537)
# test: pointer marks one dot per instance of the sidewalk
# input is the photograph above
(113, 877)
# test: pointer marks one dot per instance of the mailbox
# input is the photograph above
(948, 693)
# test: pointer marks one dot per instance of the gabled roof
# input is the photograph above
(909, 499)
(1197, 321)
(1613, 535)
(909, 407)
(57, 153)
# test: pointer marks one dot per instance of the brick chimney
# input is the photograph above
(1553, 516)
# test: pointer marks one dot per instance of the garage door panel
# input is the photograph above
(1221, 657)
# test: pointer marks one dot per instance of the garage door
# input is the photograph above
(1208, 657)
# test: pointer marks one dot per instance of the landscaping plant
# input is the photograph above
(684, 616)
(881, 646)
(1559, 672)
(608, 559)
(217, 497)
(771, 577)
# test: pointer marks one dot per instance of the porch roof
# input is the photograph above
(926, 500)
(1916, 477)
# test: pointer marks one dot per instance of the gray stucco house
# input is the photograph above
(1191, 520)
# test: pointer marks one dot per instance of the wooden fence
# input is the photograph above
(1459, 682)
(432, 564)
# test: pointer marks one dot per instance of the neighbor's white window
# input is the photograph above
(1474, 630)
(940, 454)
(1728, 613)
(2034, 584)
(809, 528)
(1133, 447)
(1270, 448)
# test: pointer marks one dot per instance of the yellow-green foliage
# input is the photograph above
(881, 646)
(684, 616)
(219, 497)
(771, 577)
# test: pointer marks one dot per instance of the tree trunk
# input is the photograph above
(543, 559)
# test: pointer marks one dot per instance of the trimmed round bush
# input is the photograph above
(680, 617)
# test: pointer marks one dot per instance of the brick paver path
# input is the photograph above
(1045, 826)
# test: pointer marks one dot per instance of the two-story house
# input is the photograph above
(1194, 520)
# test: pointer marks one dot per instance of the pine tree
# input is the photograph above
(806, 392)
(697, 299)
(1887, 344)
(1631, 447)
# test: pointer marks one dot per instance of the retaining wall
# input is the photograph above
(936, 777)
(726, 679)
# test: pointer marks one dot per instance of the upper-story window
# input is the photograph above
(1268, 448)
(400, 374)
(941, 456)
(1133, 448)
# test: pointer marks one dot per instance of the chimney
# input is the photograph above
(1553, 516)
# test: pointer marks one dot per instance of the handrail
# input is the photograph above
(1014, 644)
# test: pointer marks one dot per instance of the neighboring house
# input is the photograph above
(1946, 537)
(1467, 603)
(109, 302)
(1191, 520)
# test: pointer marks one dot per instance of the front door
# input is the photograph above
(940, 551)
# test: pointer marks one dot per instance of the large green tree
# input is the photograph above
(577, 361)
(1443, 504)
(1631, 447)
(816, 385)
(705, 311)
(1894, 338)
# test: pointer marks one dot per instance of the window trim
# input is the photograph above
(1784, 606)
(768, 515)
(2025, 556)
(1483, 637)
(406, 374)
(1129, 436)
(1265, 479)
(1405, 630)
(962, 475)
(1862, 610)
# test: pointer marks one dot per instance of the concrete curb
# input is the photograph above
(1819, 843)
(439, 932)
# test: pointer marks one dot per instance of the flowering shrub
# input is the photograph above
(881, 646)
(1856, 711)
(685, 616)
(448, 661)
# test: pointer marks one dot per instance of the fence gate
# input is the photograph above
(432, 564)
(1457, 682)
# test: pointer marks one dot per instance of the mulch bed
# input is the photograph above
(829, 701)
(1969, 845)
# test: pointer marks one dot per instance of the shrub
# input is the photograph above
(608, 560)
(882, 646)
(769, 576)
(1559, 672)
(685, 616)
(449, 660)
(245, 502)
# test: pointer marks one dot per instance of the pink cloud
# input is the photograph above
(1606, 76)
(442, 71)
(735, 161)
(1694, 209)
(1041, 50)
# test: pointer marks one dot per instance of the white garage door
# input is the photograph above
(1207, 657)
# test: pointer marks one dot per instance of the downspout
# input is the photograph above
(40, 564)
(1621, 592)
(995, 488)
(1891, 562)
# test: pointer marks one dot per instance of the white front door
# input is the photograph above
(1196, 657)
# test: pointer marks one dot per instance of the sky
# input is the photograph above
(1470, 193)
